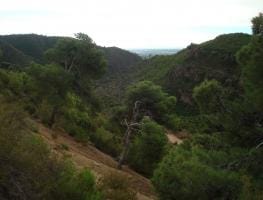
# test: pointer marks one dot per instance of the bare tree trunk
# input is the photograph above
(126, 148)
(53, 117)
(128, 133)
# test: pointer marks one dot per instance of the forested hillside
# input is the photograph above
(111, 86)
(191, 122)
(179, 73)
(21, 50)
(24, 48)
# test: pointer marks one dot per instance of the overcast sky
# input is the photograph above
(130, 23)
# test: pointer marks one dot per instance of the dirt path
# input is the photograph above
(176, 137)
(173, 138)
(100, 163)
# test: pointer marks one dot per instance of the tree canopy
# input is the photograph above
(208, 96)
(250, 58)
(154, 101)
(257, 24)
(79, 56)
(148, 148)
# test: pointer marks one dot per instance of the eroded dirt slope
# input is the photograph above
(87, 156)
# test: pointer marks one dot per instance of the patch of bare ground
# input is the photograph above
(176, 137)
(87, 156)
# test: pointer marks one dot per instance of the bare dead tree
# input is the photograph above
(131, 126)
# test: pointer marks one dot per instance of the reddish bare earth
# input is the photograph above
(87, 156)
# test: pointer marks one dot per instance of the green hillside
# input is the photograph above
(179, 73)
(111, 86)
(188, 124)
(10, 54)
(31, 45)
(22, 48)
(211, 60)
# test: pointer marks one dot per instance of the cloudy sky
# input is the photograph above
(130, 23)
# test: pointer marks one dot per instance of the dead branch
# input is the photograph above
(131, 128)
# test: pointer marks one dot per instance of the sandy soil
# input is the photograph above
(176, 137)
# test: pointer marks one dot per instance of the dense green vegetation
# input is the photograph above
(116, 186)
(250, 58)
(110, 88)
(148, 147)
(211, 91)
(31, 45)
(29, 170)
(154, 101)
(220, 162)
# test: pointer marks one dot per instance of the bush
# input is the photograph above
(106, 134)
(106, 141)
(208, 96)
(193, 124)
(250, 58)
(43, 112)
(28, 170)
(75, 186)
(148, 147)
(186, 174)
(75, 118)
(116, 186)
(154, 101)
(174, 122)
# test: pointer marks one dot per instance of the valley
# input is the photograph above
(84, 122)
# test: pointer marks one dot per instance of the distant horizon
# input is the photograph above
(154, 48)
(146, 53)
(131, 24)
(94, 41)
(133, 48)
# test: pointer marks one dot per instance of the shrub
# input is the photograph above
(75, 118)
(106, 141)
(148, 147)
(250, 58)
(208, 96)
(75, 186)
(116, 186)
(28, 170)
(154, 101)
(186, 174)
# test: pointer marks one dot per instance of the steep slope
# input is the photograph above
(121, 64)
(88, 156)
(31, 45)
(34, 46)
(119, 59)
(180, 73)
(9, 54)
(214, 59)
